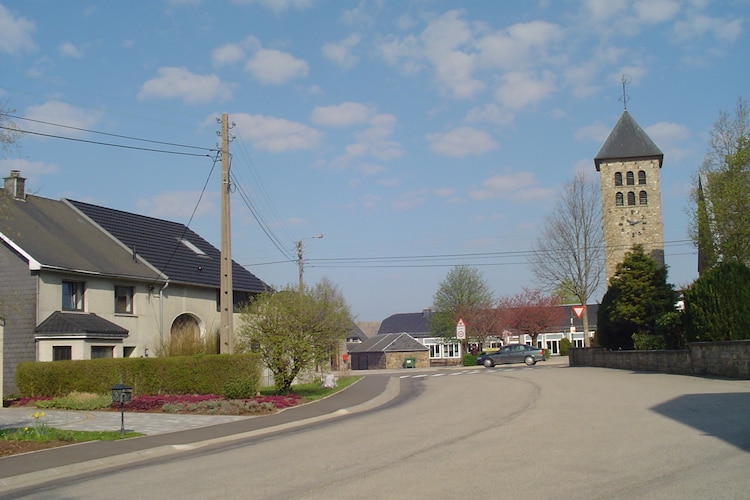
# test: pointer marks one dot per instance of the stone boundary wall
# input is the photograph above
(718, 359)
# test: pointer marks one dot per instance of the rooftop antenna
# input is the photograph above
(625, 81)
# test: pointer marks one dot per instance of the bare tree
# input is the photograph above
(568, 255)
(9, 132)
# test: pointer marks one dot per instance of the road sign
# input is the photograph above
(579, 310)
(461, 330)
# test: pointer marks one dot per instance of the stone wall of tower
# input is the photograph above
(630, 224)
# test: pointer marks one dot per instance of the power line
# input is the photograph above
(438, 260)
(119, 136)
(99, 143)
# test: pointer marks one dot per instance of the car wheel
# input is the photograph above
(489, 363)
(529, 360)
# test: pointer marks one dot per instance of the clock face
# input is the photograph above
(634, 224)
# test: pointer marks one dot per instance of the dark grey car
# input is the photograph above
(515, 353)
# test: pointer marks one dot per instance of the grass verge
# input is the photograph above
(314, 390)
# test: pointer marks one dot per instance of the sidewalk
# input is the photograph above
(168, 434)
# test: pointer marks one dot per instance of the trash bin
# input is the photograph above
(410, 363)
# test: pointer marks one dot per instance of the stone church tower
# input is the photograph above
(629, 164)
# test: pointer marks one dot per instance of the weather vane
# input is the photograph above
(625, 81)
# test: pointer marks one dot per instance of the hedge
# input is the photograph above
(201, 374)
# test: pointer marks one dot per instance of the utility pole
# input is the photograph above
(301, 260)
(226, 293)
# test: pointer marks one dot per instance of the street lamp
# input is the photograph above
(122, 394)
(301, 261)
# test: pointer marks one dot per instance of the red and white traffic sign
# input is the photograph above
(461, 329)
(579, 310)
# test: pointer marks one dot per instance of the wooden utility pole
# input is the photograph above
(226, 301)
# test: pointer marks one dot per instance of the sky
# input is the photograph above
(413, 135)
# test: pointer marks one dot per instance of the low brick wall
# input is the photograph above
(719, 359)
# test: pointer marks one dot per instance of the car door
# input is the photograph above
(503, 355)
(517, 354)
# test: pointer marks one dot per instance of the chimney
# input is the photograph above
(15, 185)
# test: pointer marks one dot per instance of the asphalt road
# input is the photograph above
(542, 432)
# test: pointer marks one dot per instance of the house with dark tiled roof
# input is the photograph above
(81, 281)
(442, 351)
(389, 352)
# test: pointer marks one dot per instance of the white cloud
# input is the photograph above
(276, 135)
(698, 25)
(231, 53)
(342, 53)
(597, 132)
(31, 170)
(671, 138)
(227, 54)
(375, 141)
(446, 45)
(656, 11)
(180, 83)
(341, 115)
(446, 41)
(15, 33)
(410, 200)
(521, 89)
(521, 45)
(461, 141)
(273, 67)
(69, 50)
(489, 113)
(601, 11)
(62, 114)
(518, 186)
(174, 205)
(278, 6)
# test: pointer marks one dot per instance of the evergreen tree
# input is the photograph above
(638, 295)
(717, 305)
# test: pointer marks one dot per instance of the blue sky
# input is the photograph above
(414, 135)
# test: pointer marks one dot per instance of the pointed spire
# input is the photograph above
(628, 141)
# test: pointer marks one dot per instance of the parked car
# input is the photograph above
(515, 353)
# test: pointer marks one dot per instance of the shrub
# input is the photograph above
(469, 359)
(187, 341)
(206, 374)
(82, 401)
(565, 346)
(647, 342)
(240, 389)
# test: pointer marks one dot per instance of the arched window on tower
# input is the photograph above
(630, 178)
(619, 200)
(641, 177)
(618, 178)
(643, 198)
(631, 198)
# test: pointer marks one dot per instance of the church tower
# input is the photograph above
(629, 164)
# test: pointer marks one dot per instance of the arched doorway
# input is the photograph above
(185, 325)
(187, 337)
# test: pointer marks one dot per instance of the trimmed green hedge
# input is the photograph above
(201, 374)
